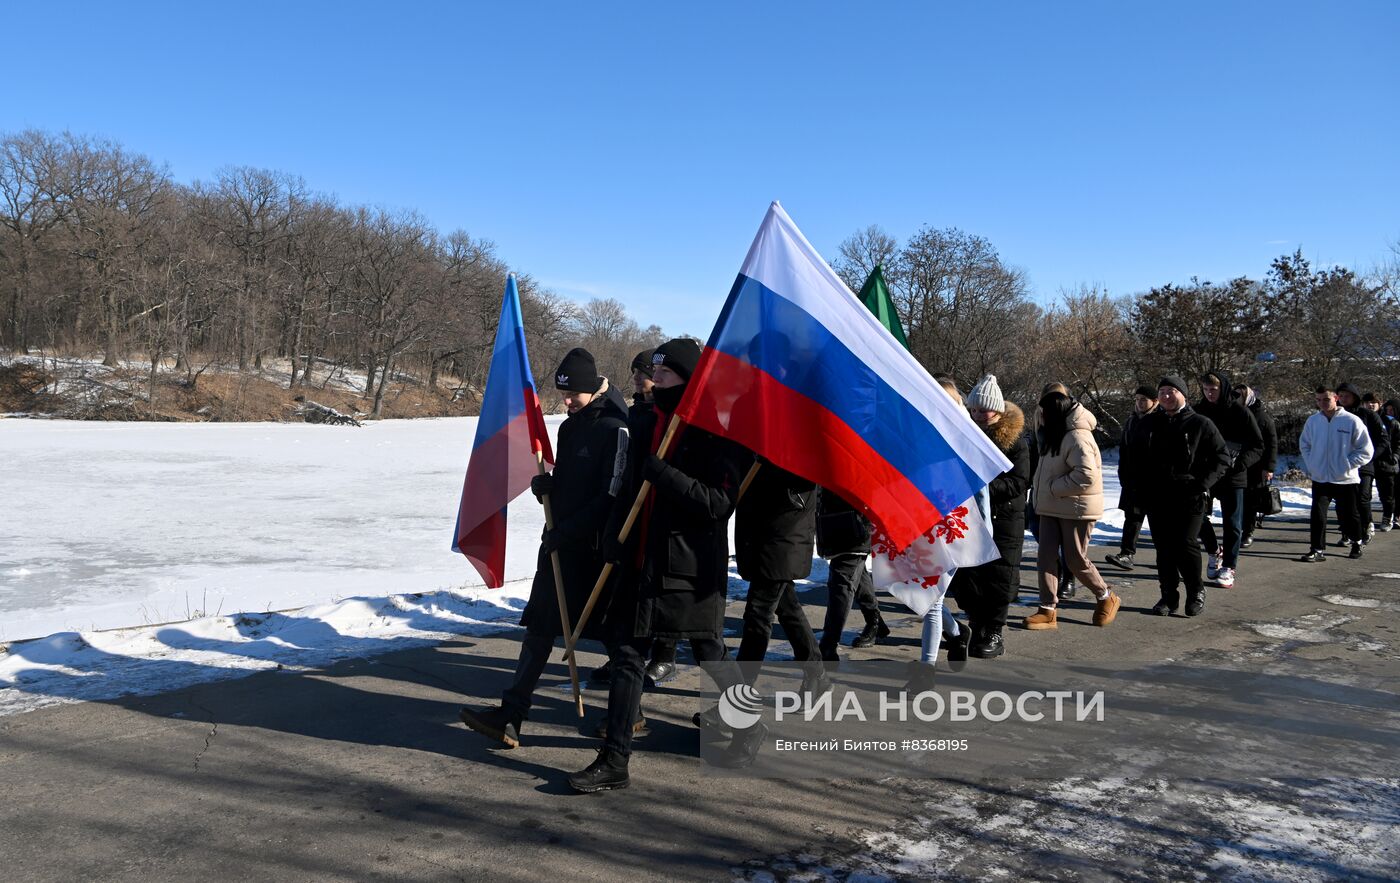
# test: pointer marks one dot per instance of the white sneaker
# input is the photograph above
(1225, 578)
(1213, 568)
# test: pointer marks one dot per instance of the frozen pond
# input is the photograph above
(120, 524)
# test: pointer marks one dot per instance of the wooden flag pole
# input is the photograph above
(622, 535)
(748, 478)
(559, 595)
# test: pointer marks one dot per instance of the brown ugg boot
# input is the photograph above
(1106, 611)
(1044, 618)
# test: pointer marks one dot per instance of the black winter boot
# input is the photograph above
(920, 677)
(874, 631)
(493, 723)
(989, 644)
(607, 772)
(957, 647)
(743, 751)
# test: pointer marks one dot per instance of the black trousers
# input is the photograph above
(1176, 532)
(848, 579)
(1363, 505)
(629, 662)
(1348, 516)
(985, 592)
(767, 596)
(1132, 526)
(1385, 485)
(534, 656)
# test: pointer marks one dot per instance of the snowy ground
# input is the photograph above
(199, 531)
(153, 555)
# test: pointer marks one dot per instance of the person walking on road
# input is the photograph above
(1335, 445)
(1133, 467)
(1246, 446)
(1189, 457)
(1068, 500)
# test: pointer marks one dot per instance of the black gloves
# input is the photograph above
(612, 549)
(653, 468)
(541, 485)
(550, 541)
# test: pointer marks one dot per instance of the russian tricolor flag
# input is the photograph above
(510, 441)
(799, 371)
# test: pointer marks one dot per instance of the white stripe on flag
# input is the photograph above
(784, 262)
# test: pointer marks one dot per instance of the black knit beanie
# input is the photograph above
(642, 362)
(681, 355)
(578, 372)
(1174, 382)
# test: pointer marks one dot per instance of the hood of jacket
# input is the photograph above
(1080, 417)
(1006, 431)
(1356, 393)
(1227, 392)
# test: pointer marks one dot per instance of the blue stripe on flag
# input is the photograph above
(778, 337)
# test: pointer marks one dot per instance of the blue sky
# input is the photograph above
(630, 150)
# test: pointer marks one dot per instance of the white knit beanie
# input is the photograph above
(987, 395)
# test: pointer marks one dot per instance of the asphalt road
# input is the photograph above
(360, 771)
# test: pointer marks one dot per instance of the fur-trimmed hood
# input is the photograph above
(1008, 429)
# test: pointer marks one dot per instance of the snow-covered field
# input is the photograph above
(152, 555)
(199, 532)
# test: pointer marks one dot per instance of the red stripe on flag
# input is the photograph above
(735, 400)
(499, 470)
(539, 433)
(485, 547)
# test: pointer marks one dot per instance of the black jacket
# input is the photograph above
(676, 561)
(841, 530)
(1239, 429)
(775, 526)
(1391, 466)
(1006, 493)
(1268, 461)
(1375, 428)
(1133, 463)
(589, 469)
(1189, 457)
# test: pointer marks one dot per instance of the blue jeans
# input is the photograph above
(1232, 514)
(937, 620)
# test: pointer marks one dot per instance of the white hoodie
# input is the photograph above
(1333, 450)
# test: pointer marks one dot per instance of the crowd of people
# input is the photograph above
(668, 579)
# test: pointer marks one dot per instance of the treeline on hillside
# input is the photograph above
(102, 252)
(967, 312)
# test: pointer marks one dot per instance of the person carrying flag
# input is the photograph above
(588, 474)
(662, 666)
(675, 562)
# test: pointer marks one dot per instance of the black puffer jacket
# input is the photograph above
(775, 526)
(676, 561)
(1239, 429)
(1375, 428)
(589, 470)
(1189, 456)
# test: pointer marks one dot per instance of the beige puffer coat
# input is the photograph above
(1069, 484)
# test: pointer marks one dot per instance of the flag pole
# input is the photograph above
(622, 535)
(569, 637)
(748, 478)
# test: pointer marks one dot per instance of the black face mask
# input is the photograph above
(668, 398)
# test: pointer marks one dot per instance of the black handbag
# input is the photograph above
(1267, 500)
